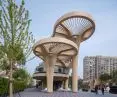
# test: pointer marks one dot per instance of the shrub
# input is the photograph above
(3, 86)
(17, 86)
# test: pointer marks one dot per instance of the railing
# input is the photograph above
(55, 74)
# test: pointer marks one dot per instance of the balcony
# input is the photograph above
(56, 76)
(57, 69)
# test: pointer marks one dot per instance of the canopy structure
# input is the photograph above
(69, 31)
(52, 50)
(74, 24)
(63, 48)
(77, 27)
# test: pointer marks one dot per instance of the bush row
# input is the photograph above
(3, 86)
(17, 86)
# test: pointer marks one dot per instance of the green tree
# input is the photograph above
(4, 66)
(80, 83)
(104, 77)
(21, 74)
(15, 39)
(114, 76)
(70, 82)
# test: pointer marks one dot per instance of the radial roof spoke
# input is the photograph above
(76, 23)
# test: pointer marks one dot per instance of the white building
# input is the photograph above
(94, 66)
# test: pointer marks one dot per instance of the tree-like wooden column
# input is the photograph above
(77, 39)
(50, 62)
(74, 74)
(72, 26)
(66, 83)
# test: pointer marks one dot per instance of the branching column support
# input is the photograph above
(50, 62)
(66, 84)
(75, 67)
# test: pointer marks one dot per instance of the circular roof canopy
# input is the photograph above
(61, 47)
(74, 24)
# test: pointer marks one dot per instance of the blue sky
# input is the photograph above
(44, 14)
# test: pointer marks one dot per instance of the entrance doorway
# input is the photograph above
(57, 85)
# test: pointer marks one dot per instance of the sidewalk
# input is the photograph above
(32, 92)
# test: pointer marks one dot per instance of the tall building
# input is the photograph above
(94, 66)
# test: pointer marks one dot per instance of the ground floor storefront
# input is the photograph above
(57, 83)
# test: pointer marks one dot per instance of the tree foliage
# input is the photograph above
(114, 76)
(21, 74)
(104, 77)
(15, 39)
(80, 83)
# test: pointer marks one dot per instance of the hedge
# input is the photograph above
(3, 86)
(17, 86)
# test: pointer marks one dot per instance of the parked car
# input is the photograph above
(113, 89)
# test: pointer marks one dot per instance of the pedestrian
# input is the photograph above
(36, 85)
(108, 89)
(96, 89)
(102, 89)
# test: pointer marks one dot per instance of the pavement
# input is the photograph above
(32, 92)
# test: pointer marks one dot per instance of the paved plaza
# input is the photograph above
(32, 92)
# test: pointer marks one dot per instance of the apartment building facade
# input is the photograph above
(94, 66)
